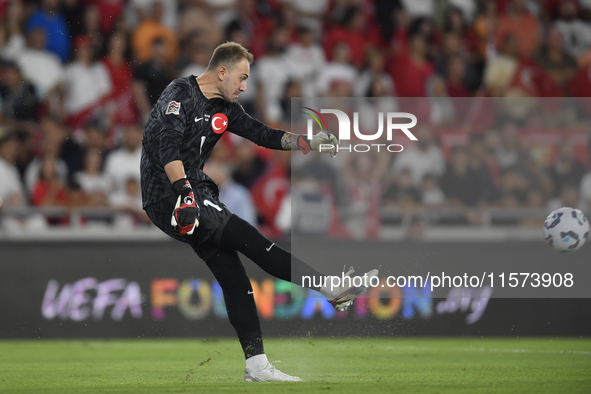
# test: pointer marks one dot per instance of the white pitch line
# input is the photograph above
(498, 350)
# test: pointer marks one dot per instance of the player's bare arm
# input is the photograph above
(289, 141)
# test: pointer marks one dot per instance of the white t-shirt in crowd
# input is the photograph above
(335, 72)
(122, 165)
(419, 8)
(309, 63)
(420, 163)
(84, 86)
(42, 68)
(576, 36)
(273, 74)
(10, 182)
(93, 183)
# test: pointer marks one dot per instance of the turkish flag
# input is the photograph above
(268, 192)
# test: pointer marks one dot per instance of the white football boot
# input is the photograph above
(268, 374)
(345, 295)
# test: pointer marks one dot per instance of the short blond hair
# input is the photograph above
(229, 54)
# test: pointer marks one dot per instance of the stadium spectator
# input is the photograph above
(235, 196)
(566, 169)
(92, 29)
(49, 18)
(568, 197)
(274, 70)
(507, 152)
(558, 64)
(248, 166)
(401, 191)
(311, 13)
(151, 29)
(500, 70)
(431, 193)
(485, 27)
(255, 24)
(223, 10)
(483, 163)
(339, 70)
(416, 229)
(416, 9)
(129, 202)
(466, 8)
(441, 111)
(466, 36)
(376, 99)
(25, 152)
(73, 11)
(293, 90)
(151, 78)
(521, 23)
(421, 158)
(86, 84)
(120, 105)
(42, 68)
(70, 151)
(138, 10)
(49, 189)
(110, 12)
(411, 70)
(375, 71)
(455, 86)
(363, 177)
(512, 191)
(124, 163)
(18, 99)
(287, 17)
(309, 58)
(92, 181)
(95, 137)
(450, 47)
(11, 187)
(576, 34)
(200, 54)
(350, 32)
(460, 184)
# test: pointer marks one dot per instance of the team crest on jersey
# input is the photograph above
(219, 123)
(174, 107)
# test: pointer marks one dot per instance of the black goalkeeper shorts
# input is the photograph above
(213, 216)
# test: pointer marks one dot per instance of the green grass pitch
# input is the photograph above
(327, 365)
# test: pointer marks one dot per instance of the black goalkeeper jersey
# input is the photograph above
(185, 125)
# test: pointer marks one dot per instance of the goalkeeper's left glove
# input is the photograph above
(325, 141)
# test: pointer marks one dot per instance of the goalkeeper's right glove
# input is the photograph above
(185, 217)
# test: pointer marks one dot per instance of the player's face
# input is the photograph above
(235, 83)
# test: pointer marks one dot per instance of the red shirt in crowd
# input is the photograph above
(410, 78)
(41, 191)
(122, 94)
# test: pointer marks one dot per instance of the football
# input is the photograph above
(566, 229)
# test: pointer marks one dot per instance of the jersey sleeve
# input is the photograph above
(172, 112)
(244, 125)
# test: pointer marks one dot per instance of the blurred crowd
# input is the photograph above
(78, 79)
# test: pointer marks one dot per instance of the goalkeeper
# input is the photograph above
(188, 120)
